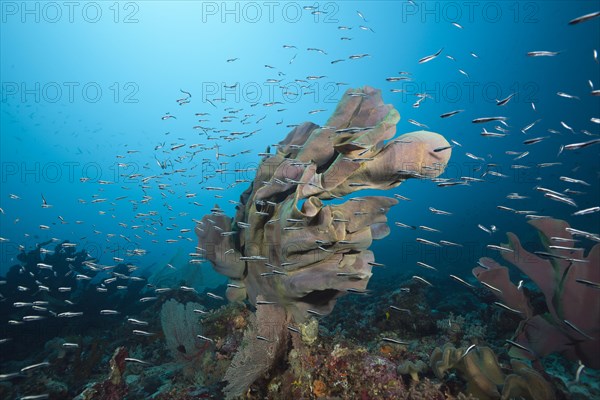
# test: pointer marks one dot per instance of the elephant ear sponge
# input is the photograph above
(290, 253)
(285, 242)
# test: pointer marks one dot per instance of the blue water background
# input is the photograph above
(49, 141)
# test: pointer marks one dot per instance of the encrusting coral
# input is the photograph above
(286, 244)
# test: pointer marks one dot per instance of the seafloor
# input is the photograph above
(341, 356)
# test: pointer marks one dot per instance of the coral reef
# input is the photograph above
(568, 281)
(335, 365)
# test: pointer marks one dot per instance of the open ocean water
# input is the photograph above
(130, 129)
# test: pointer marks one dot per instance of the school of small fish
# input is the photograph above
(207, 158)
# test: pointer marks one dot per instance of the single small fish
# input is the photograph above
(535, 140)
(565, 248)
(234, 286)
(142, 333)
(566, 95)
(137, 361)
(9, 376)
(507, 308)
(562, 240)
(400, 309)
(205, 338)
(488, 119)
(451, 113)
(447, 243)
(136, 321)
(109, 312)
(573, 180)
(401, 225)
(293, 329)
(358, 291)
(264, 302)
(459, 280)
(416, 277)
(564, 126)
(439, 212)
(375, 264)
(390, 340)
(585, 234)
(584, 18)
(543, 53)
(471, 347)
(69, 314)
(577, 146)
(505, 208)
(531, 125)
(428, 242)
(422, 264)
(569, 324)
(29, 318)
(474, 157)
(485, 133)
(561, 199)
(420, 125)
(438, 149)
(520, 346)
(591, 284)
(505, 101)
(431, 57)
(579, 370)
(446, 184)
(35, 366)
(214, 296)
(483, 228)
(500, 248)
(546, 165)
(586, 211)
(487, 285)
